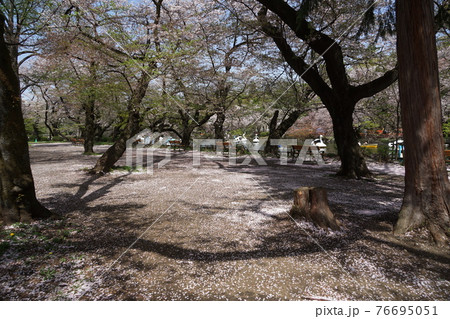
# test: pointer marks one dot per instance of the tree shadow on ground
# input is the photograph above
(280, 181)
(65, 203)
(279, 236)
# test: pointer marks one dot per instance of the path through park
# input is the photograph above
(213, 232)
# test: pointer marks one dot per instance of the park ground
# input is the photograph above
(213, 232)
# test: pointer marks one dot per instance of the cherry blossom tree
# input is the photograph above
(335, 90)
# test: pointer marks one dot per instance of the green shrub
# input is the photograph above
(383, 151)
(370, 152)
(446, 129)
(58, 139)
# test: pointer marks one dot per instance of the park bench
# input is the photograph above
(294, 151)
(176, 145)
(77, 141)
(224, 146)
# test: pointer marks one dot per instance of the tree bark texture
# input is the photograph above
(89, 126)
(18, 201)
(353, 164)
(426, 200)
(312, 203)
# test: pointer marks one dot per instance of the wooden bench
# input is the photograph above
(176, 145)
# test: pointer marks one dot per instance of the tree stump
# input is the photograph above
(312, 203)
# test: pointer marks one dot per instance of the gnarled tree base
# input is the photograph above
(354, 174)
(412, 217)
(312, 203)
(106, 162)
(25, 212)
(354, 169)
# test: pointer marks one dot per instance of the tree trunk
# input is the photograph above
(89, 126)
(46, 120)
(273, 134)
(353, 164)
(189, 123)
(89, 111)
(100, 130)
(312, 203)
(218, 126)
(276, 132)
(106, 162)
(426, 200)
(36, 133)
(50, 130)
(186, 136)
(18, 201)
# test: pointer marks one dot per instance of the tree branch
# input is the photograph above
(308, 74)
(373, 87)
(318, 41)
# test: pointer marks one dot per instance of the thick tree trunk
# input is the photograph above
(218, 126)
(353, 164)
(312, 203)
(18, 201)
(273, 134)
(426, 201)
(89, 126)
(186, 136)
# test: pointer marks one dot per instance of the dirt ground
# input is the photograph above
(213, 232)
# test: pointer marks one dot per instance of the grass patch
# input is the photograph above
(92, 153)
(126, 168)
(47, 273)
(35, 238)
